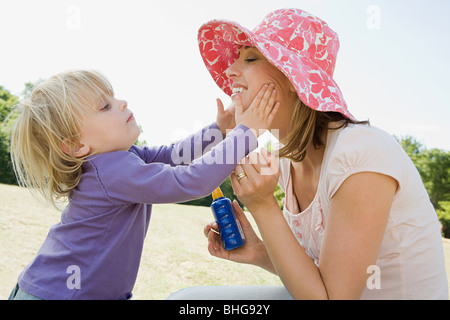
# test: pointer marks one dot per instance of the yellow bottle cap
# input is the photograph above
(217, 194)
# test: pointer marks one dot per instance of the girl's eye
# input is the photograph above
(105, 107)
(250, 60)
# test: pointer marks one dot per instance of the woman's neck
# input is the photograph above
(312, 163)
(310, 166)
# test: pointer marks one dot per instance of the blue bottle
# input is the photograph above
(229, 227)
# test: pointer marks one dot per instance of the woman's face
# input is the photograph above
(250, 72)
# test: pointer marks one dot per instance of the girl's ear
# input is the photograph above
(77, 150)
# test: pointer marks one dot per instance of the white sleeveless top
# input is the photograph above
(411, 257)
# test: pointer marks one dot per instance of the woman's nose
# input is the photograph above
(233, 71)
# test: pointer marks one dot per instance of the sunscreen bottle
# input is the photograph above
(230, 229)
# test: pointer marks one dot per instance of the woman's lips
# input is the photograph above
(239, 90)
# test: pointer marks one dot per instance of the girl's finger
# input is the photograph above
(271, 104)
(220, 107)
(259, 97)
(273, 112)
(266, 98)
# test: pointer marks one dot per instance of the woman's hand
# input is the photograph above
(225, 118)
(254, 181)
(252, 252)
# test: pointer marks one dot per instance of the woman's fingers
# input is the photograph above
(240, 215)
(212, 226)
(239, 107)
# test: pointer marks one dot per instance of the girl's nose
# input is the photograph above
(123, 105)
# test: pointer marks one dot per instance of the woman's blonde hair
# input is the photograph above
(53, 114)
(310, 125)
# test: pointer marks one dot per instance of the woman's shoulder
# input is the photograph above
(360, 137)
(364, 132)
(363, 148)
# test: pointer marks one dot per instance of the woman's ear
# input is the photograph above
(292, 88)
(77, 150)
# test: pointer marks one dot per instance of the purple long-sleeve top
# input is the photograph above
(95, 250)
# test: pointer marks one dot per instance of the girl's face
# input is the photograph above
(250, 72)
(110, 127)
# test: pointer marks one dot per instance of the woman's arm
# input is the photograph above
(356, 224)
(355, 227)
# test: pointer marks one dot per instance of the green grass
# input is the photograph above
(175, 253)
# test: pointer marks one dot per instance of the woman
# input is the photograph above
(357, 222)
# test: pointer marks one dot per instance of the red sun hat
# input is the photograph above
(299, 44)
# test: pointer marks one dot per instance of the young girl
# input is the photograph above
(74, 139)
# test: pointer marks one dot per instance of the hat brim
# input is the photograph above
(220, 41)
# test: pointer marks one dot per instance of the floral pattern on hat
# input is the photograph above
(299, 44)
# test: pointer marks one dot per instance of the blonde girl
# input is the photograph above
(75, 140)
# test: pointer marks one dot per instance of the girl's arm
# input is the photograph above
(192, 147)
(127, 178)
(184, 151)
(355, 227)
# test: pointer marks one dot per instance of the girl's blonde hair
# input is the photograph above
(53, 114)
(310, 125)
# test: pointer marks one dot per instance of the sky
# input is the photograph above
(393, 66)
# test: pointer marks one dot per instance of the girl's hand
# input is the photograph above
(258, 177)
(262, 111)
(225, 118)
(252, 252)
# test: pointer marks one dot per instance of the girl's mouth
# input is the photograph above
(131, 118)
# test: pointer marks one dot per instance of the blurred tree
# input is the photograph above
(436, 175)
(444, 217)
(7, 117)
(434, 168)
